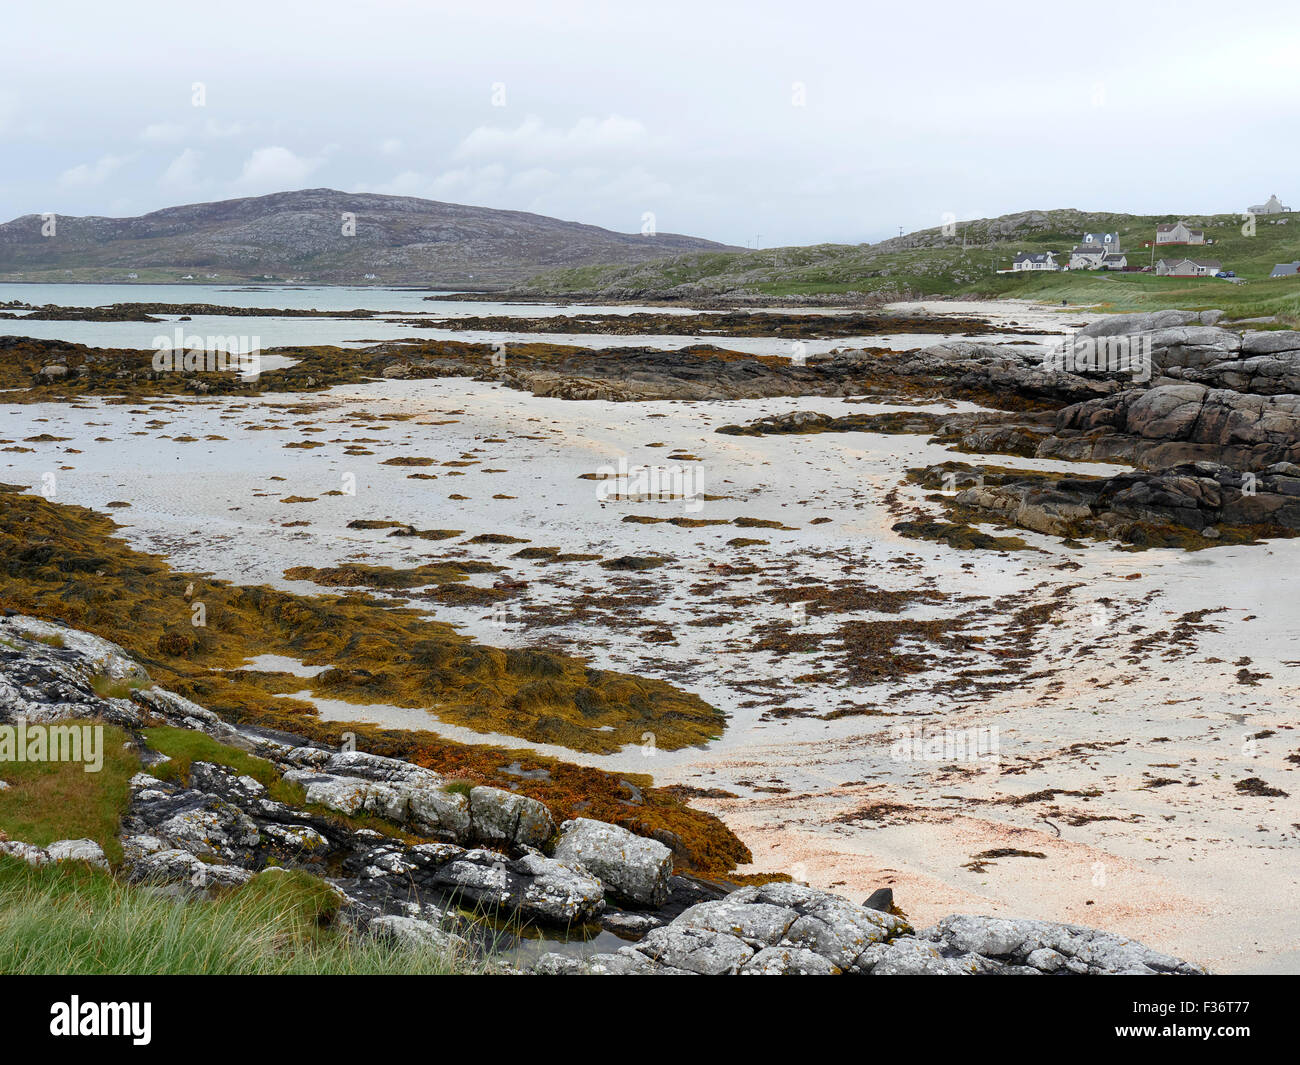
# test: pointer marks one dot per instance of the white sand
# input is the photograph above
(1193, 866)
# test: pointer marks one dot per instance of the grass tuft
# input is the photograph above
(82, 922)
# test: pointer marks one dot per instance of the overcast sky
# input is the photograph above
(789, 123)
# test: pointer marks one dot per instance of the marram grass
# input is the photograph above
(80, 922)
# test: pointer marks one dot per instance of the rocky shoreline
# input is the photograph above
(449, 848)
(1212, 429)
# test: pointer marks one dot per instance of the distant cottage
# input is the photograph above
(1274, 206)
(1099, 251)
(1179, 233)
(1286, 269)
(1087, 257)
(1188, 267)
(1042, 260)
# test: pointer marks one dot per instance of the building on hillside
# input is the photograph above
(1110, 241)
(1087, 256)
(1179, 233)
(1188, 267)
(1286, 269)
(1097, 257)
(1273, 206)
(1035, 260)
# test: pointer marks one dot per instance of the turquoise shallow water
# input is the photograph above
(306, 297)
(271, 332)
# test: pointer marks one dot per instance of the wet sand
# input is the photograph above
(1121, 733)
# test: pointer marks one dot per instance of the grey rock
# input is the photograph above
(413, 933)
(533, 885)
(554, 964)
(77, 850)
(25, 852)
(179, 867)
(1144, 321)
(504, 817)
(915, 957)
(1268, 343)
(696, 950)
(787, 961)
(840, 931)
(630, 866)
(1043, 944)
(760, 924)
(629, 924)
(63, 850)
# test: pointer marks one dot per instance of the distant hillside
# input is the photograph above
(298, 235)
(931, 262)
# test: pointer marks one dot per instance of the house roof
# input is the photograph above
(1168, 227)
(1205, 264)
(1286, 269)
(1114, 256)
(1034, 256)
(1272, 201)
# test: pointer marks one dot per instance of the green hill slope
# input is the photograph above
(965, 263)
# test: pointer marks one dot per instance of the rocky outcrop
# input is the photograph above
(445, 851)
(1181, 346)
(1146, 321)
(47, 672)
(1203, 497)
(791, 929)
(1176, 423)
(998, 374)
(63, 850)
(635, 868)
(353, 782)
(968, 945)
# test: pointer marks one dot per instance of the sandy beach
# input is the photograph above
(1143, 687)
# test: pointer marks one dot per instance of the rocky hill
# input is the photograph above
(299, 235)
(960, 259)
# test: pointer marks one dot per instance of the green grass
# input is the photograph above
(930, 263)
(185, 746)
(115, 688)
(48, 801)
(79, 921)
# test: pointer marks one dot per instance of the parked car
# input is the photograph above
(1226, 273)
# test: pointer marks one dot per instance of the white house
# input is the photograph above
(1179, 233)
(1274, 206)
(1087, 257)
(1188, 267)
(1042, 260)
(1099, 251)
